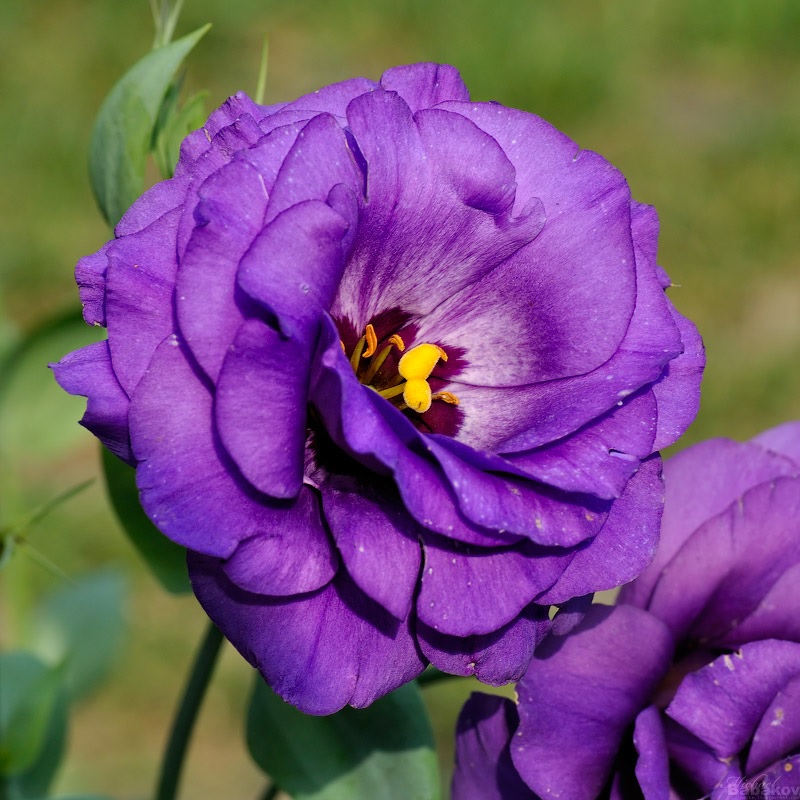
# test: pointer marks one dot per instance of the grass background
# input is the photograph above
(697, 103)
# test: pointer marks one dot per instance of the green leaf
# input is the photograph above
(384, 752)
(166, 559)
(124, 127)
(30, 693)
(174, 125)
(37, 418)
(81, 626)
(35, 781)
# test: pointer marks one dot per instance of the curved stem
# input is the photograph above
(183, 724)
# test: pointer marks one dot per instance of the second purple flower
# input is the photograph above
(395, 367)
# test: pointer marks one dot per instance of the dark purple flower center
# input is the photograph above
(411, 378)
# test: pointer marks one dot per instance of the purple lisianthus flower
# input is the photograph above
(395, 367)
(688, 688)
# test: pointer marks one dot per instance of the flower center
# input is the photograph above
(408, 387)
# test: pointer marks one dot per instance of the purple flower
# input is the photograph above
(395, 368)
(690, 687)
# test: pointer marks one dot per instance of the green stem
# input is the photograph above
(186, 716)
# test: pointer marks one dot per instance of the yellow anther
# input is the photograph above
(397, 342)
(417, 395)
(344, 349)
(419, 361)
(447, 397)
(372, 342)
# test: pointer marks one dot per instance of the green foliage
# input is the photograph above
(80, 627)
(166, 560)
(384, 752)
(32, 724)
(124, 129)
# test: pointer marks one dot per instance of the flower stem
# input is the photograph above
(186, 715)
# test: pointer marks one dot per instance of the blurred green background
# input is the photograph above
(697, 103)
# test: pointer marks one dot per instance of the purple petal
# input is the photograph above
(722, 572)
(239, 135)
(231, 206)
(678, 389)
(701, 482)
(600, 458)
(318, 160)
(483, 762)
(580, 694)
(260, 417)
(624, 546)
(140, 281)
(505, 503)
(293, 556)
(496, 658)
(470, 590)
(187, 484)
(378, 544)
(88, 372)
(294, 265)
(785, 440)
(652, 766)
(781, 779)
(318, 651)
(778, 733)
(694, 761)
(430, 227)
(425, 85)
(775, 617)
(723, 702)
(90, 275)
(333, 99)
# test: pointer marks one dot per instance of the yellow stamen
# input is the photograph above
(417, 395)
(372, 342)
(377, 362)
(416, 366)
(344, 350)
(447, 397)
(397, 342)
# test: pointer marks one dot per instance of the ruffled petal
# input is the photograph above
(677, 391)
(722, 703)
(430, 226)
(425, 85)
(778, 732)
(294, 265)
(293, 557)
(378, 543)
(470, 590)
(624, 546)
(140, 282)
(495, 658)
(483, 769)
(702, 482)
(505, 503)
(88, 372)
(652, 766)
(600, 458)
(784, 439)
(90, 275)
(580, 694)
(188, 486)
(319, 651)
(723, 571)
(230, 212)
(258, 408)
